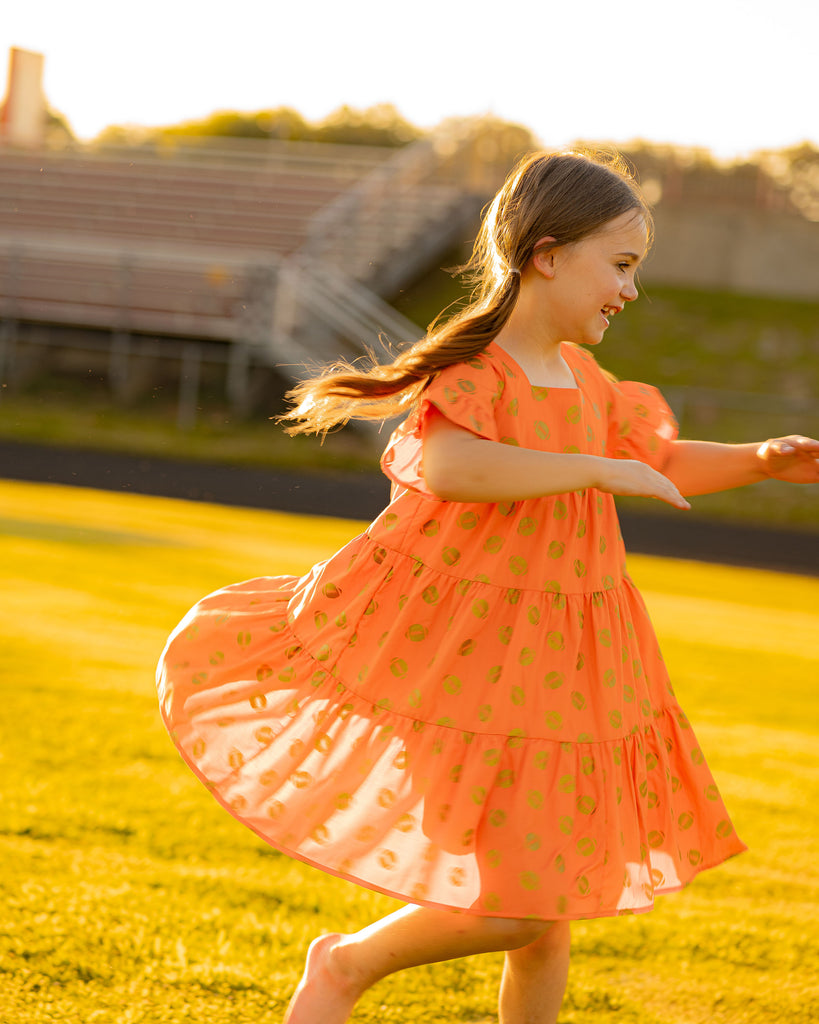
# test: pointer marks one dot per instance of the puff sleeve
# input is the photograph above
(466, 393)
(641, 424)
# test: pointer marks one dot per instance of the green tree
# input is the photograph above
(380, 125)
(282, 123)
(798, 168)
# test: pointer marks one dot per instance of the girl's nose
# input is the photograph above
(629, 291)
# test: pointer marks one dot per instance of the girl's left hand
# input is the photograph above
(793, 458)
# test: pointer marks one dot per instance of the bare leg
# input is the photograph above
(340, 968)
(534, 978)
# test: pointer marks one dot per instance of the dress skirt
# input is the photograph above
(466, 707)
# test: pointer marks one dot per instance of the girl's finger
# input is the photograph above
(673, 497)
(797, 442)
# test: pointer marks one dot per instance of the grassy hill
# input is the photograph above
(678, 337)
(734, 368)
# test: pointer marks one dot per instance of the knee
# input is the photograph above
(515, 933)
(553, 939)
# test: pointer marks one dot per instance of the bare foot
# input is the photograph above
(323, 996)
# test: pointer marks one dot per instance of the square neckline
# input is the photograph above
(525, 376)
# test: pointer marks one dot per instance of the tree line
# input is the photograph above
(379, 125)
(784, 178)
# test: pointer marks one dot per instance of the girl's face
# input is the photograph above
(590, 281)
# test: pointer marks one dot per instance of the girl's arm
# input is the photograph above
(459, 466)
(702, 467)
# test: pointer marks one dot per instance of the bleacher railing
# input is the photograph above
(308, 308)
(427, 194)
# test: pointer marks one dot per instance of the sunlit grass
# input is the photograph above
(128, 895)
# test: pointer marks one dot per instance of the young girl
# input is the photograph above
(466, 707)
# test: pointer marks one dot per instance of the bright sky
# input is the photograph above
(732, 75)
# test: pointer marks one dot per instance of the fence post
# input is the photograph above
(189, 375)
(238, 378)
(7, 339)
(8, 325)
(120, 338)
(118, 362)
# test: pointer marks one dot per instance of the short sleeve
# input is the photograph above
(466, 393)
(641, 424)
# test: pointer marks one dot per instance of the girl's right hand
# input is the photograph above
(634, 478)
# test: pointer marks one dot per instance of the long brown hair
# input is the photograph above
(565, 196)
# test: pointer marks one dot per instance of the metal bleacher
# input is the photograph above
(284, 253)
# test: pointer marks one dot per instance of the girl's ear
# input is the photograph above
(543, 257)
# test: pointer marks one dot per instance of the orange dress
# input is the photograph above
(466, 706)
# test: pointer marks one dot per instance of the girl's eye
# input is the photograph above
(623, 266)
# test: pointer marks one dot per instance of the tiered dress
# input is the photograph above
(466, 706)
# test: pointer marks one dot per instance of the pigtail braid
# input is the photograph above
(558, 198)
(343, 392)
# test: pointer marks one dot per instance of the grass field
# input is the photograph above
(128, 895)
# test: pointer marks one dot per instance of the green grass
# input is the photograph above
(67, 414)
(129, 896)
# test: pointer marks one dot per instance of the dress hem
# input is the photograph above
(432, 904)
